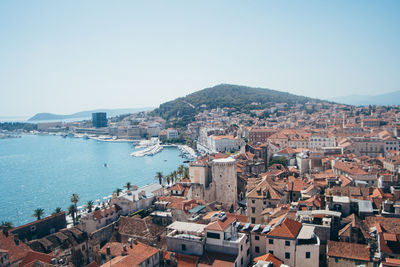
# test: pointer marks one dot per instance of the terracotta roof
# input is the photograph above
(216, 259)
(391, 262)
(136, 255)
(33, 256)
(177, 187)
(219, 225)
(269, 257)
(92, 264)
(287, 229)
(349, 168)
(348, 250)
(15, 252)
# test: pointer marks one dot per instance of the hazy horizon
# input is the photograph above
(66, 57)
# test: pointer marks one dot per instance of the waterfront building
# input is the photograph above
(137, 199)
(40, 228)
(99, 119)
(92, 221)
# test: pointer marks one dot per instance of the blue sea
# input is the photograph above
(42, 171)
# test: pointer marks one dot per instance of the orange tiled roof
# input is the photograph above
(288, 228)
(15, 252)
(33, 256)
(348, 250)
(269, 257)
(219, 225)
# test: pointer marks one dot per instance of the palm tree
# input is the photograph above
(171, 175)
(38, 213)
(159, 176)
(75, 199)
(128, 185)
(186, 172)
(90, 205)
(72, 210)
(56, 210)
(167, 178)
(7, 224)
(175, 173)
(118, 191)
(181, 170)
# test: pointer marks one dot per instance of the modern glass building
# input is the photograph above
(99, 119)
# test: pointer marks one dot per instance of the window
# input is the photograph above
(257, 237)
(183, 247)
(253, 201)
(241, 247)
(287, 243)
(248, 251)
(271, 251)
(336, 260)
(257, 249)
(253, 220)
(270, 241)
(83, 247)
(33, 227)
(213, 235)
(265, 202)
(287, 255)
(241, 261)
(253, 210)
(308, 255)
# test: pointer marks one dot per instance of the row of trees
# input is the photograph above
(177, 175)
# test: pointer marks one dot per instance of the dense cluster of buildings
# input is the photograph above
(306, 185)
(127, 127)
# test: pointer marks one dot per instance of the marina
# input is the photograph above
(45, 170)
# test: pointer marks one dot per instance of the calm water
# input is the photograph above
(43, 171)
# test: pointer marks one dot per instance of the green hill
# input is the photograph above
(182, 110)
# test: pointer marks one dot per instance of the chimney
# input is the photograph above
(124, 247)
(130, 242)
(108, 250)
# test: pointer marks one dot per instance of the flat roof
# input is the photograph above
(306, 232)
(229, 159)
(342, 199)
(186, 226)
(197, 209)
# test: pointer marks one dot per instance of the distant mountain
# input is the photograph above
(85, 114)
(182, 110)
(387, 99)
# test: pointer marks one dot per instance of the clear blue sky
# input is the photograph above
(68, 56)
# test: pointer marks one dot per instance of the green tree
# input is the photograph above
(181, 170)
(75, 199)
(281, 160)
(159, 176)
(118, 191)
(128, 185)
(38, 213)
(72, 210)
(186, 172)
(7, 224)
(90, 205)
(56, 210)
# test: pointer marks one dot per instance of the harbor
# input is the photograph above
(49, 177)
